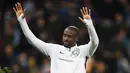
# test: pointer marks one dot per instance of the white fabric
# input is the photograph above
(63, 60)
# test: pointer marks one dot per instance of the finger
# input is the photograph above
(86, 9)
(81, 19)
(24, 13)
(24, 10)
(20, 7)
(89, 12)
(14, 9)
(82, 12)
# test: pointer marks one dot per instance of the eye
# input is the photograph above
(64, 35)
(69, 36)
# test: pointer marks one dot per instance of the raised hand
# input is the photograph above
(18, 10)
(86, 13)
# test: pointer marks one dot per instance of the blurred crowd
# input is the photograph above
(47, 19)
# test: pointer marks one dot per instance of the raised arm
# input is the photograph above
(40, 45)
(90, 48)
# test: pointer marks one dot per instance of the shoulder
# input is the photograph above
(54, 45)
(83, 46)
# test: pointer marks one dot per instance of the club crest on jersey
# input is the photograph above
(75, 52)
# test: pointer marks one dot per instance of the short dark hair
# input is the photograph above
(76, 29)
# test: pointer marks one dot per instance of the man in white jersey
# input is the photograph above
(67, 58)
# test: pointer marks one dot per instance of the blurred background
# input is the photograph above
(48, 18)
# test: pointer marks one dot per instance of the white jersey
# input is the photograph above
(64, 60)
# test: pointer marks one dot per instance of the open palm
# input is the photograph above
(18, 10)
(86, 14)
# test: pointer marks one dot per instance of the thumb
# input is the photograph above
(24, 10)
(81, 19)
(24, 13)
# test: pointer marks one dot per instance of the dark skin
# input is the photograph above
(69, 36)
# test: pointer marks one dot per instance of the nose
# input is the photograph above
(65, 38)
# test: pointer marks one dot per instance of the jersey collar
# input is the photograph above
(72, 48)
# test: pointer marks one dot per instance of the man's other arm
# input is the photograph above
(89, 49)
(32, 39)
(40, 45)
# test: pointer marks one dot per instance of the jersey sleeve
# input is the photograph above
(89, 49)
(45, 48)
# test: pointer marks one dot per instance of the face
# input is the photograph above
(69, 37)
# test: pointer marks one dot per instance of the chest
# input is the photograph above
(68, 55)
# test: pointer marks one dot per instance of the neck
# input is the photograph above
(69, 46)
(73, 45)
